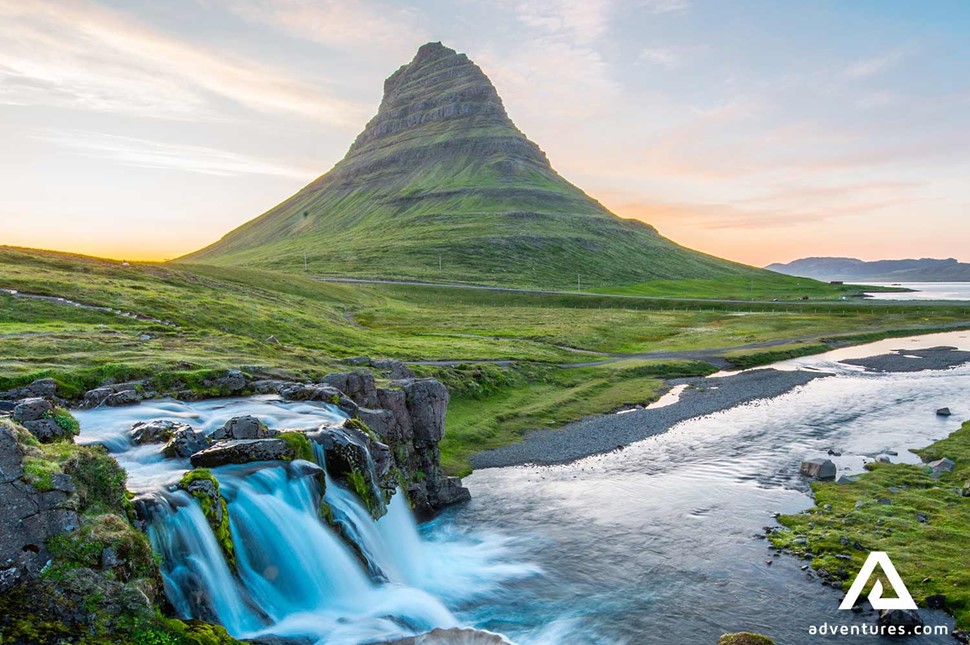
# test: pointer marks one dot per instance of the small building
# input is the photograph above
(837, 282)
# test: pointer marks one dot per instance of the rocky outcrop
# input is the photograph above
(71, 562)
(185, 442)
(32, 514)
(157, 431)
(114, 395)
(243, 451)
(243, 427)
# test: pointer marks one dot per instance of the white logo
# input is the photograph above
(902, 600)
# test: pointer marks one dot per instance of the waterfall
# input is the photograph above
(294, 575)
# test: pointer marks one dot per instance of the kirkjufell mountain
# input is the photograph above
(442, 186)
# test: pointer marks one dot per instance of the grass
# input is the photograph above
(924, 527)
(544, 398)
(222, 318)
(762, 287)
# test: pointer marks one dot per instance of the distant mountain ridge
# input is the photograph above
(442, 186)
(854, 270)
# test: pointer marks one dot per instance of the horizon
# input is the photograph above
(124, 124)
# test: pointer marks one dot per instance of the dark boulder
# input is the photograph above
(243, 451)
(185, 442)
(392, 369)
(943, 412)
(32, 409)
(905, 619)
(243, 427)
(157, 431)
(820, 469)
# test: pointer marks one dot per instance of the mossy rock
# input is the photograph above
(203, 486)
(744, 638)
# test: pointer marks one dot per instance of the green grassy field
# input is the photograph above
(925, 526)
(223, 317)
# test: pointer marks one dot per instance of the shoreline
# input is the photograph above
(703, 396)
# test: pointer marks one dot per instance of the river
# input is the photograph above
(651, 544)
(923, 291)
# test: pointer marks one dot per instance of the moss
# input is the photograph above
(744, 638)
(84, 547)
(219, 521)
(925, 527)
(299, 444)
(325, 512)
(66, 421)
(171, 631)
(40, 472)
(358, 483)
(358, 424)
(335, 399)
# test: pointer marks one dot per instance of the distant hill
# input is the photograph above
(442, 186)
(853, 270)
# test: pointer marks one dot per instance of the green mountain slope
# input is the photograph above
(442, 186)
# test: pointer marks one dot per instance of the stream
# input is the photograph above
(653, 543)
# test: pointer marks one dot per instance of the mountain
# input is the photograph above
(442, 186)
(853, 270)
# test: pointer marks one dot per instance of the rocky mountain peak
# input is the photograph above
(438, 85)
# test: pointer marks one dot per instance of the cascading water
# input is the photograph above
(295, 569)
(294, 575)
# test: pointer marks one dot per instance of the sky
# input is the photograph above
(757, 131)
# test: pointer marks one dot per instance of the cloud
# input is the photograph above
(784, 207)
(875, 65)
(662, 56)
(350, 25)
(666, 6)
(79, 55)
(143, 153)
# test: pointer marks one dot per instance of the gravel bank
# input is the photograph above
(704, 396)
(604, 433)
(913, 360)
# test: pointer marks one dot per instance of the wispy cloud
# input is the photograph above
(80, 55)
(143, 153)
(875, 65)
(663, 56)
(336, 23)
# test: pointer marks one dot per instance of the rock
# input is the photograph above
(157, 431)
(185, 442)
(233, 381)
(32, 409)
(243, 451)
(744, 638)
(392, 369)
(30, 517)
(43, 387)
(273, 340)
(847, 479)
(907, 619)
(450, 491)
(359, 386)
(820, 469)
(943, 412)
(941, 466)
(243, 427)
(47, 430)
(454, 636)
(124, 397)
(427, 402)
(318, 392)
(883, 459)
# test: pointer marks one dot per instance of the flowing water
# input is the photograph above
(651, 544)
(923, 291)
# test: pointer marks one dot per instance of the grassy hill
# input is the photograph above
(441, 186)
(563, 356)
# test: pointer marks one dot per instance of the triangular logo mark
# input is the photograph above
(902, 600)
